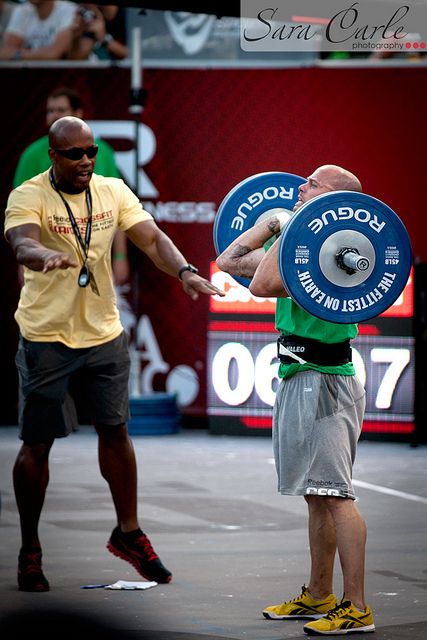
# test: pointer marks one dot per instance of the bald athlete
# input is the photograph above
(317, 421)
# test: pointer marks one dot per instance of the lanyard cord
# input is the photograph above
(83, 245)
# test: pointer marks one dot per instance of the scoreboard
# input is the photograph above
(243, 366)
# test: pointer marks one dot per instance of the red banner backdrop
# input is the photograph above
(208, 130)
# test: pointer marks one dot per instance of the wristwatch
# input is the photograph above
(187, 267)
(107, 39)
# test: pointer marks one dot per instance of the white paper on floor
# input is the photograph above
(124, 584)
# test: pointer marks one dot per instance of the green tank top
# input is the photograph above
(291, 319)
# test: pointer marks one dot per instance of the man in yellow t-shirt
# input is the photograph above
(66, 101)
(61, 226)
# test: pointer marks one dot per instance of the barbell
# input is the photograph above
(344, 256)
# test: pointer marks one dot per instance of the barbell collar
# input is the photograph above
(351, 261)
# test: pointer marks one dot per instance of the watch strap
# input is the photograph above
(187, 267)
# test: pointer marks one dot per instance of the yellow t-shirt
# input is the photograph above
(52, 307)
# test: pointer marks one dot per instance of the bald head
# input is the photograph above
(326, 178)
(72, 153)
(68, 131)
(337, 178)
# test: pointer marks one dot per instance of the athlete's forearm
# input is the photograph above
(243, 255)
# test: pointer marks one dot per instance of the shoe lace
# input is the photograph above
(302, 594)
(338, 611)
(146, 545)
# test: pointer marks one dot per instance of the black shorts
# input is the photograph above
(60, 387)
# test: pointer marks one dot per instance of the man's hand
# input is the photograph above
(56, 260)
(29, 251)
(194, 284)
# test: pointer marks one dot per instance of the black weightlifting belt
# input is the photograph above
(307, 350)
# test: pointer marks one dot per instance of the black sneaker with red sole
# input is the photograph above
(137, 550)
(30, 574)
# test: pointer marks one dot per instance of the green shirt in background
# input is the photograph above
(35, 159)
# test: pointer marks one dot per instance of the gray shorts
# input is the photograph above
(60, 387)
(317, 421)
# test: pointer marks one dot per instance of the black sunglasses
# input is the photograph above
(77, 153)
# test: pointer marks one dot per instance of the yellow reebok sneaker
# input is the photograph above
(301, 607)
(345, 618)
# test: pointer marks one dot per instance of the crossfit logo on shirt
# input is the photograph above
(104, 215)
(103, 220)
(60, 223)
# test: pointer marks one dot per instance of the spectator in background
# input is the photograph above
(39, 30)
(115, 18)
(92, 39)
(6, 10)
(65, 101)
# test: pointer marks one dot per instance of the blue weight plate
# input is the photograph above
(248, 200)
(152, 426)
(365, 218)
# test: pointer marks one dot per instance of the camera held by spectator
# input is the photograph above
(87, 14)
(92, 40)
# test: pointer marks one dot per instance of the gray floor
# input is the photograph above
(210, 506)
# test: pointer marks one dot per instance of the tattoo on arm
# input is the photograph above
(244, 260)
(239, 251)
(274, 226)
